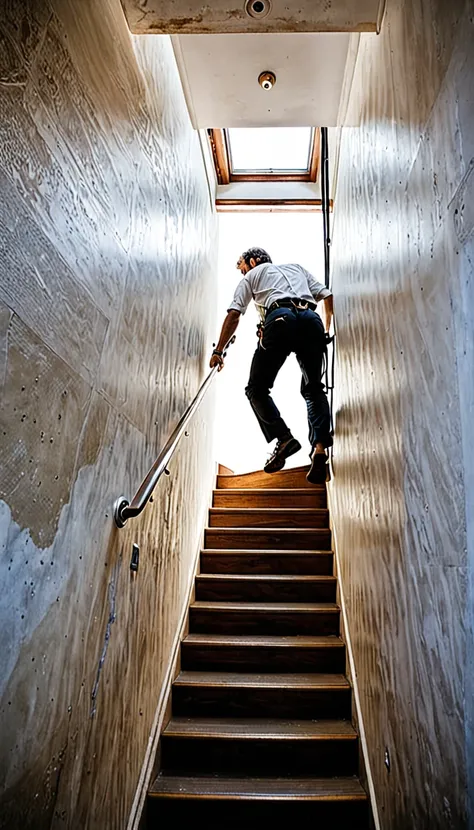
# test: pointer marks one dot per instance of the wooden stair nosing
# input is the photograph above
(266, 607)
(249, 491)
(299, 641)
(291, 511)
(267, 551)
(315, 579)
(319, 789)
(254, 729)
(262, 681)
(280, 530)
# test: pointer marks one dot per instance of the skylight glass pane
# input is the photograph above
(270, 149)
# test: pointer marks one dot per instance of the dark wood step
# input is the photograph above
(228, 694)
(230, 802)
(285, 618)
(267, 562)
(294, 477)
(265, 588)
(288, 517)
(246, 497)
(264, 539)
(259, 653)
(258, 747)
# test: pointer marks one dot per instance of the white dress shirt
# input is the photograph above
(267, 283)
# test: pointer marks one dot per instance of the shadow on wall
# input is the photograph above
(106, 317)
(403, 451)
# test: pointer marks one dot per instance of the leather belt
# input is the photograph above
(292, 302)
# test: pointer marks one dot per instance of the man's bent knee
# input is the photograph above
(256, 393)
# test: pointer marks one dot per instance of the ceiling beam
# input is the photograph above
(269, 205)
(236, 16)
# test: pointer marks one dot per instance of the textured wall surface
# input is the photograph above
(106, 315)
(403, 494)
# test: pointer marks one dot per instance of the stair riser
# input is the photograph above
(176, 812)
(241, 539)
(244, 563)
(263, 757)
(231, 702)
(272, 660)
(263, 519)
(225, 498)
(261, 591)
(283, 623)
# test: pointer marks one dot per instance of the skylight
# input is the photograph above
(265, 154)
(270, 149)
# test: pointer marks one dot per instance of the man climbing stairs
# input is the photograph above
(261, 709)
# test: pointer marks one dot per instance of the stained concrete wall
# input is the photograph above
(403, 491)
(234, 16)
(106, 316)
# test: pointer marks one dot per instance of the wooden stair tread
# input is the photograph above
(284, 479)
(257, 728)
(305, 578)
(269, 517)
(267, 640)
(263, 551)
(277, 491)
(261, 497)
(268, 538)
(271, 510)
(303, 607)
(316, 789)
(301, 469)
(271, 681)
(266, 530)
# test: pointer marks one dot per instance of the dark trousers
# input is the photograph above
(290, 330)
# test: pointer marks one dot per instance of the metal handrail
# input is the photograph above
(125, 510)
(326, 210)
(325, 202)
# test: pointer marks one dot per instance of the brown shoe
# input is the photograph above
(284, 448)
(317, 471)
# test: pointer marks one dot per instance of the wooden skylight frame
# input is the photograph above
(225, 175)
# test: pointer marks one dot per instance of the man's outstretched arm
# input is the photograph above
(228, 328)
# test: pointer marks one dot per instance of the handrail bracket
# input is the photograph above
(119, 505)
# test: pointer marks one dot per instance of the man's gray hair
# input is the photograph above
(258, 254)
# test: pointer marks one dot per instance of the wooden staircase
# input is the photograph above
(261, 709)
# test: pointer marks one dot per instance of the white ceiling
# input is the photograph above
(220, 78)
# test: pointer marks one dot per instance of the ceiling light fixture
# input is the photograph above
(258, 8)
(267, 80)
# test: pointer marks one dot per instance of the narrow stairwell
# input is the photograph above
(261, 709)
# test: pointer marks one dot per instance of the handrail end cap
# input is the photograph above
(119, 505)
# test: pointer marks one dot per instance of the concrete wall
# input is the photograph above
(403, 492)
(235, 16)
(106, 318)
